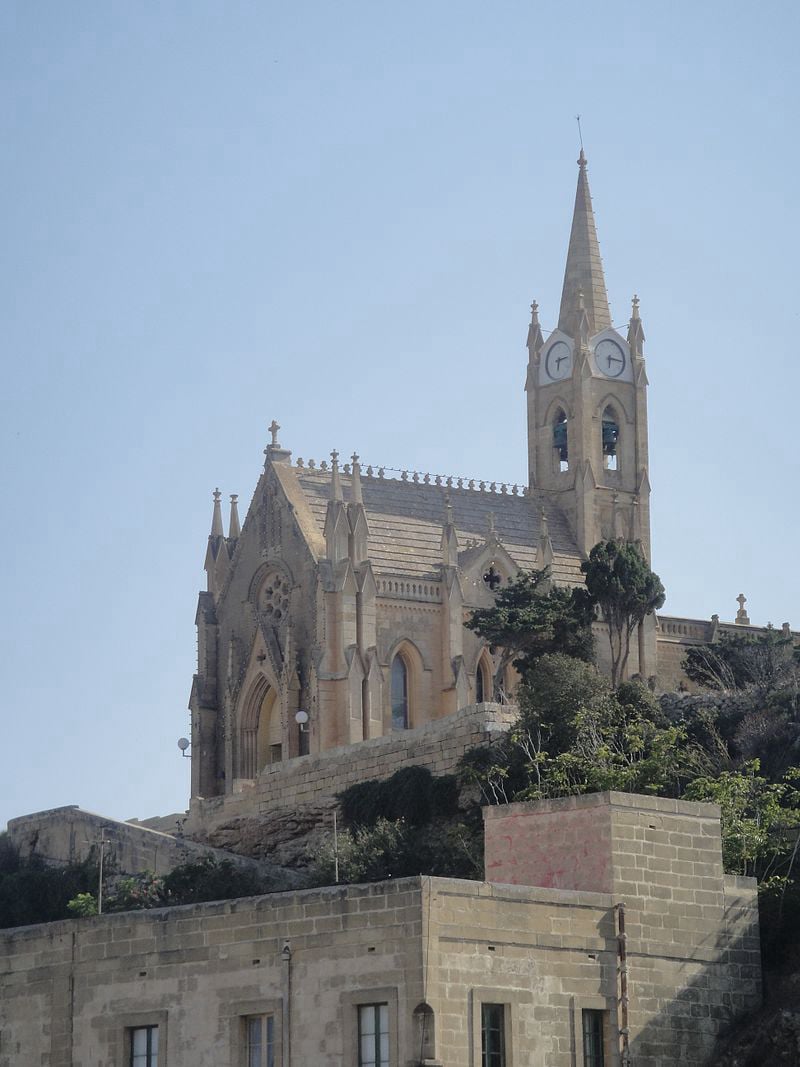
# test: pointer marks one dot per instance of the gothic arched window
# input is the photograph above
(399, 694)
(610, 439)
(560, 440)
(483, 686)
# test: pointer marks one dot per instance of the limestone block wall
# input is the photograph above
(313, 781)
(545, 955)
(692, 933)
(433, 950)
(71, 991)
(68, 834)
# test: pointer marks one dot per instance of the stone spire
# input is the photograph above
(546, 554)
(336, 483)
(584, 270)
(449, 543)
(636, 330)
(337, 527)
(234, 527)
(535, 340)
(216, 520)
(357, 516)
(355, 482)
(217, 557)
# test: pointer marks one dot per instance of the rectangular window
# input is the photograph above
(493, 1035)
(373, 1035)
(144, 1046)
(260, 1041)
(593, 1055)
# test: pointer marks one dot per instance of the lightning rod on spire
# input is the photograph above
(580, 135)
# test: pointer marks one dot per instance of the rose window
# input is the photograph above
(274, 597)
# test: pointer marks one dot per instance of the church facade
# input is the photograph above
(334, 613)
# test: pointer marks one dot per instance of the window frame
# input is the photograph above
(510, 1001)
(350, 1003)
(149, 1053)
(236, 1013)
(123, 1027)
(488, 1026)
(378, 1033)
(593, 1016)
(266, 1044)
(607, 1006)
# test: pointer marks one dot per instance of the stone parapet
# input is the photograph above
(69, 835)
(314, 781)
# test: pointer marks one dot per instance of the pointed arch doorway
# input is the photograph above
(269, 735)
(261, 730)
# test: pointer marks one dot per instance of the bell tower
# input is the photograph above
(587, 400)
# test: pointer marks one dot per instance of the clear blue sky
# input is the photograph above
(337, 215)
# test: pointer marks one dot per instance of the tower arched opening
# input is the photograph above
(561, 441)
(610, 439)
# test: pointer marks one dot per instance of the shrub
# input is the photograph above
(412, 794)
(209, 879)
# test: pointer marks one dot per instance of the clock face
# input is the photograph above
(610, 358)
(558, 361)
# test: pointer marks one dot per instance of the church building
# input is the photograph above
(334, 613)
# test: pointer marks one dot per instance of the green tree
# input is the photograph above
(32, 891)
(576, 734)
(446, 848)
(531, 618)
(619, 581)
(760, 819)
(763, 663)
(210, 879)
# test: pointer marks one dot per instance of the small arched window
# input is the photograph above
(483, 688)
(561, 441)
(399, 694)
(610, 439)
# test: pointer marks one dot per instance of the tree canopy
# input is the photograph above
(576, 734)
(619, 580)
(531, 618)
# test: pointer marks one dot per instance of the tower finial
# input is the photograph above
(584, 269)
(336, 485)
(216, 519)
(535, 339)
(636, 330)
(580, 138)
(356, 481)
(234, 528)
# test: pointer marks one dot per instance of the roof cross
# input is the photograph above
(273, 429)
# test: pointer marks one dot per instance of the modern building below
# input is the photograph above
(606, 933)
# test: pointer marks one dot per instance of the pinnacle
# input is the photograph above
(216, 520)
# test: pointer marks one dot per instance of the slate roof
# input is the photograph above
(405, 523)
